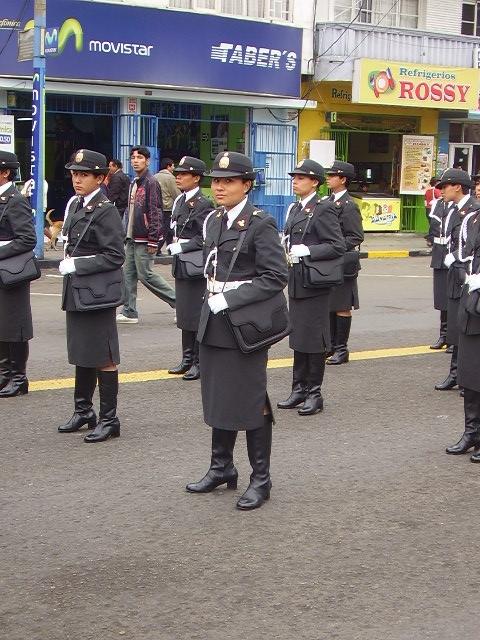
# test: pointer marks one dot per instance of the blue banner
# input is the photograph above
(92, 41)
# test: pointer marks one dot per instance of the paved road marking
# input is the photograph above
(389, 253)
(54, 295)
(279, 363)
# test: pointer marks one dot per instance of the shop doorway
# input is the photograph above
(460, 156)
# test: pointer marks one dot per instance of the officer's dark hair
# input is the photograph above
(244, 180)
(117, 163)
(142, 151)
(465, 190)
(166, 162)
(11, 175)
(434, 181)
(347, 182)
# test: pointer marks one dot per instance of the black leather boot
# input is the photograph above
(188, 346)
(340, 350)
(471, 435)
(5, 372)
(18, 383)
(451, 380)
(108, 424)
(85, 383)
(222, 470)
(316, 370)
(333, 333)
(259, 447)
(299, 385)
(194, 372)
(442, 339)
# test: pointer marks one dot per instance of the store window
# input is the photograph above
(386, 13)
(471, 18)
(264, 9)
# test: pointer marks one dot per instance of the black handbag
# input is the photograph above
(260, 324)
(96, 291)
(189, 266)
(351, 265)
(320, 274)
(18, 269)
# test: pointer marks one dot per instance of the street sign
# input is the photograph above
(25, 45)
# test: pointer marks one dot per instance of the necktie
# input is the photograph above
(182, 200)
(80, 203)
(332, 198)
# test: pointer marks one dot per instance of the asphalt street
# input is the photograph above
(369, 534)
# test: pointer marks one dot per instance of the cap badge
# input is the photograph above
(79, 156)
(224, 162)
(182, 161)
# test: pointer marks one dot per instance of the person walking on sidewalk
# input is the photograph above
(144, 227)
(189, 213)
(17, 236)
(170, 192)
(95, 245)
(344, 297)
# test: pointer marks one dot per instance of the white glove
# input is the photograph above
(67, 266)
(449, 260)
(299, 250)
(174, 248)
(473, 282)
(217, 303)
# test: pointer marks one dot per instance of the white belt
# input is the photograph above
(442, 241)
(216, 286)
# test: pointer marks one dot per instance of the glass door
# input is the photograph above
(460, 156)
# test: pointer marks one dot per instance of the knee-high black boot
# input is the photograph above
(299, 384)
(5, 372)
(471, 436)
(442, 338)
(316, 370)
(340, 346)
(18, 383)
(188, 346)
(194, 372)
(108, 424)
(222, 470)
(451, 380)
(259, 447)
(333, 333)
(85, 383)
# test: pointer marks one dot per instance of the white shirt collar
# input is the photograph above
(87, 199)
(235, 212)
(191, 193)
(337, 196)
(307, 199)
(462, 202)
(5, 186)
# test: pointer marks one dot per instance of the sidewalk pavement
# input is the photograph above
(375, 245)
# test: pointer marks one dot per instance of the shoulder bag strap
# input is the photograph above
(241, 238)
(82, 234)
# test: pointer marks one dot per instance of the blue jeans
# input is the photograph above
(139, 266)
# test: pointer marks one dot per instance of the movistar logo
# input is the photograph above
(56, 38)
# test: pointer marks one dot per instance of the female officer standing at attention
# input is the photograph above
(234, 384)
(189, 212)
(17, 235)
(312, 229)
(95, 244)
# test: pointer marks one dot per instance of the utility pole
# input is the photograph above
(38, 120)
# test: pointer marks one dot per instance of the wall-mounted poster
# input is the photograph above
(417, 164)
(218, 137)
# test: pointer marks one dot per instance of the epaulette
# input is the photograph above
(258, 213)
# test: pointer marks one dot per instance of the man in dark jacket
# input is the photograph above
(118, 186)
(144, 228)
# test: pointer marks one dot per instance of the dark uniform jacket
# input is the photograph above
(16, 224)
(350, 221)
(441, 223)
(189, 217)
(323, 237)
(104, 240)
(470, 323)
(261, 259)
(457, 271)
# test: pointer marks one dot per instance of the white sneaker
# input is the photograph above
(121, 319)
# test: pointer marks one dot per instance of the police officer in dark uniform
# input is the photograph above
(441, 219)
(345, 296)
(188, 215)
(312, 229)
(469, 336)
(92, 338)
(17, 235)
(455, 185)
(234, 384)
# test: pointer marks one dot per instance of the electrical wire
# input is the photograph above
(13, 29)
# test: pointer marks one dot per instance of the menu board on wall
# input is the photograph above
(417, 164)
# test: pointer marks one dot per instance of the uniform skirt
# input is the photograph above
(189, 300)
(440, 300)
(234, 388)
(468, 374)
(345, 296)
(310, 318)
(452, 320)
(92, 338)
(15, 314)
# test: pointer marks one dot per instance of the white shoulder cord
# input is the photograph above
(463, 238)
(212, 256)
